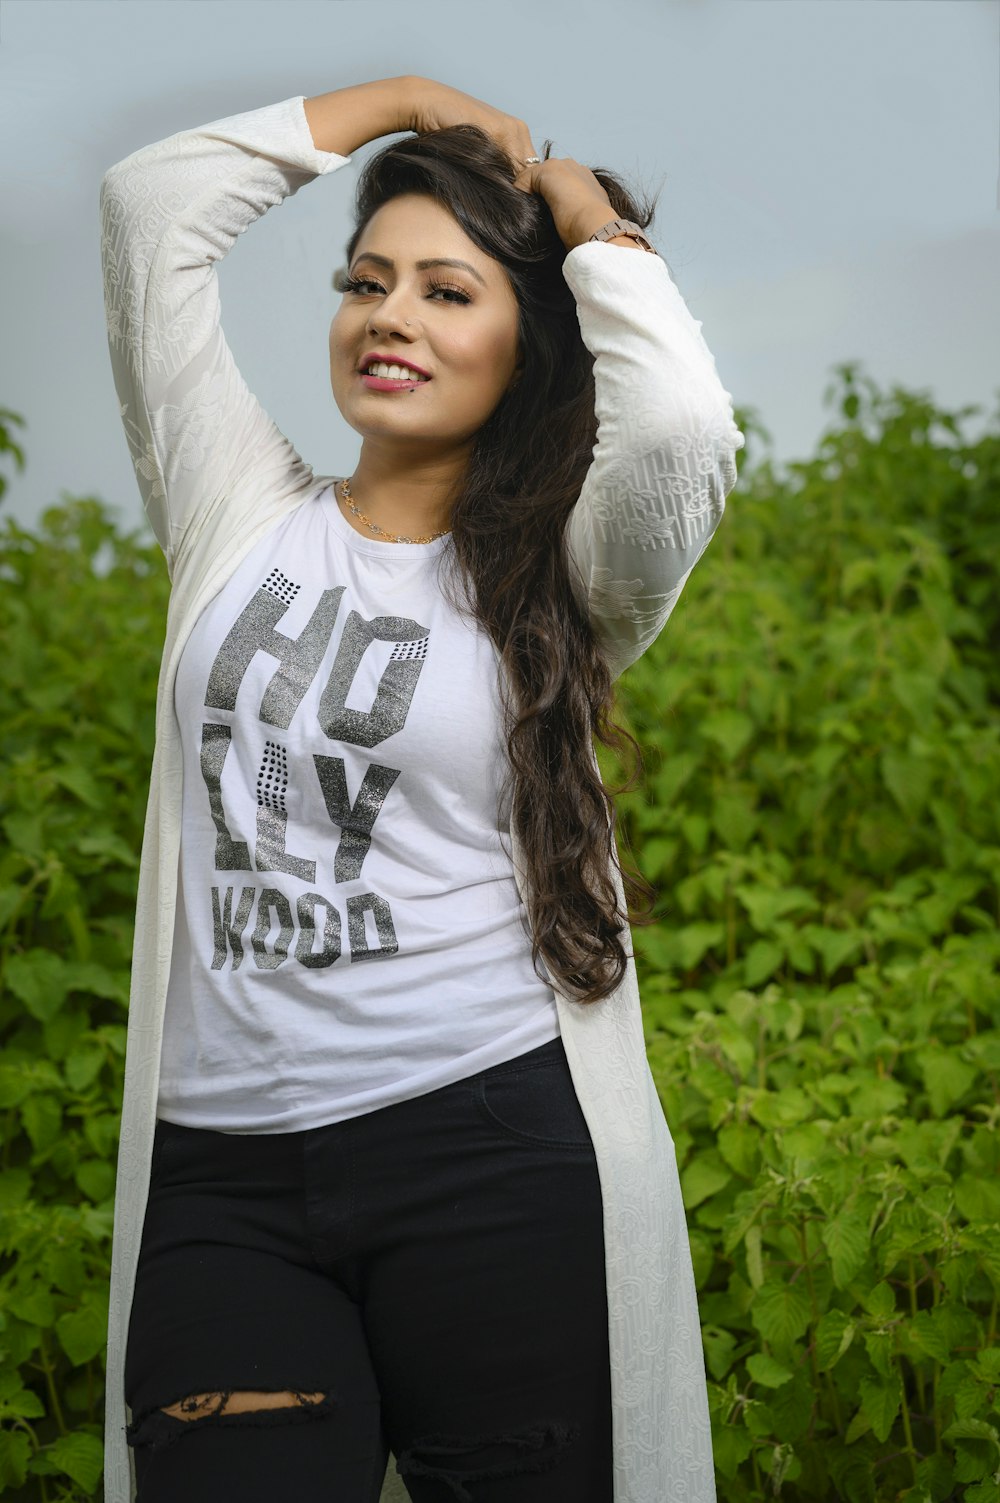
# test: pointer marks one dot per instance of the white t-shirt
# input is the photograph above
(349, 932)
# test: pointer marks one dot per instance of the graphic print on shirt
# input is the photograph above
(234, 914)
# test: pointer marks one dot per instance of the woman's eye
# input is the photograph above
(454, 291)
(360, 284)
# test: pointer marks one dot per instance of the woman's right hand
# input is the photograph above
(433, 106)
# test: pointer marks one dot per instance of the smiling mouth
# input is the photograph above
(382, 368)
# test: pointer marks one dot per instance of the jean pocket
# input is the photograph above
(535, 1101)
(166, 1137)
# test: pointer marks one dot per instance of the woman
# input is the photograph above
(393, 1173)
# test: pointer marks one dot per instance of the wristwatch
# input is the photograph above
(624, 227)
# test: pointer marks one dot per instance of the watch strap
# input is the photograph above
(623, 227)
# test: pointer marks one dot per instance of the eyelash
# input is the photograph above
(354, 284)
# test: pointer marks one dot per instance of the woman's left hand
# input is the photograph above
(578, 203)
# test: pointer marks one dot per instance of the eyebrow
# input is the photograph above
(421, 265)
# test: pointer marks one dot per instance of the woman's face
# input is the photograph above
(462, 327)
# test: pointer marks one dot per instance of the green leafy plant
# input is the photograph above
(821, 1000)
(82, 608)
(821, 731)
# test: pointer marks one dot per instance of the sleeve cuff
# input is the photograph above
(281, 131)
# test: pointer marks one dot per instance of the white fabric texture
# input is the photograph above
(216, 476)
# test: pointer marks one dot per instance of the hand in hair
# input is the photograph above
(433, 106)
(576, 200)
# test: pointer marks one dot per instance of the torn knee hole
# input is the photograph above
(229, 1407)
(532, 1450)
(243, 1402)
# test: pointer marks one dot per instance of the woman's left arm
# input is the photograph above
(665, 457)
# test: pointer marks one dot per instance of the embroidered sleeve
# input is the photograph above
(664, 461)
(169, 212)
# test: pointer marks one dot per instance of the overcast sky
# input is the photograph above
(830, 176)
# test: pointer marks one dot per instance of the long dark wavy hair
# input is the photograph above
(507, 517)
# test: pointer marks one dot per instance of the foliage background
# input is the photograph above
(819, 726)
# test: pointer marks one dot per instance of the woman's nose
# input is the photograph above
(393, 312)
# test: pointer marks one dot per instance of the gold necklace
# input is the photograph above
(346, 491)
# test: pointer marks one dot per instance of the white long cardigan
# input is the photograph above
(215, 475)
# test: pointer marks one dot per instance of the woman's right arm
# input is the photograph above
(346, 119)
(205, 452)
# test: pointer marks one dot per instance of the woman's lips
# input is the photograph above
(383, 383)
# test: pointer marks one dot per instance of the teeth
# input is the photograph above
(394, 372)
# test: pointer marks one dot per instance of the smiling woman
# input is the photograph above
(393, 1172)
(461, 331)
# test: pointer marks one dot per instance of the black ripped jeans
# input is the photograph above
(429, 1278)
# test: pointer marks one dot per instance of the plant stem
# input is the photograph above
(50, 1385)
(907, 1430)
(912, 1281)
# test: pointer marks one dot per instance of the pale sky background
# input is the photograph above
(830, 174)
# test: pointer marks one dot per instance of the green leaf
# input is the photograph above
(38, 977)
(97, 980)
(729, 729)
(762, 960)
(982, 1492)
(734, 819)
(704, 1176)
(15, 1187)
(695, 828)
(25, 832)
(781, 1313)
(978, 1199)
(81, 782)
(880, 1346)
(96, 1179)
(83, 1332)
(946, 1077)
(766, 1370)
(880, 1401)
(11, 899)
(15, 1448)
(908, 779)
(693, 941)
(805, 1145)
(936, 1476)
(735, 1045)
(973, 1429)
(82, 1065)
(731, 1445)
(880, 1301)
(109, 845)
(719, 1347)
(80, 1456)
(860, 1425)
(834, 1333)
(930, 1336)
(42, 1119)
(737, 1143)
(32, 1303)
(846, 1240)
(834, 945)
(766, 905)
(22, 1403)
(777, 1109)
(792, 1407)
(755, 1260)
